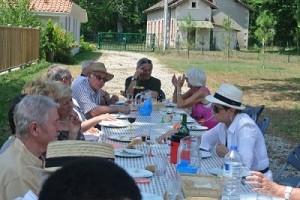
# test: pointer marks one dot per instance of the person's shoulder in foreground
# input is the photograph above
(90, 178)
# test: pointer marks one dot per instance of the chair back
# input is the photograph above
(263, 124)
(254, 112)
(294, 158)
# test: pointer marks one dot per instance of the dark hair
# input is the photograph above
(90, 179)
(11, 111)
(143, 61)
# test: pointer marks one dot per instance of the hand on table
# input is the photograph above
(221, 149)
(113, 99)
(262, 183)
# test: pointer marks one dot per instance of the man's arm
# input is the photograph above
(107, 109)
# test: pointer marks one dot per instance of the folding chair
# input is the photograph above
(263, 124)
(293, 160)
(254, 112)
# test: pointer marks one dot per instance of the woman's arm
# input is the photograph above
(266, 186)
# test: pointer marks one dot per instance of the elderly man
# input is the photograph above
(142, 77)
(106, 99)
(88, 95)
(37, 124)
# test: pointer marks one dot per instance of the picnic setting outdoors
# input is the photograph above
(198, 107)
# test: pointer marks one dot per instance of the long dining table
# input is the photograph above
(160, 123)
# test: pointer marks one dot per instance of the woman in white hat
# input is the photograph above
(235, 128)
(195, 96)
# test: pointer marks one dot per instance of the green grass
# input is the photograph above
(276, 86)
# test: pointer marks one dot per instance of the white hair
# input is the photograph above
(196, 76)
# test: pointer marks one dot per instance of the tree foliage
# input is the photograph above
(188, 25)
(228, 27)
(17, 13)
(115, 15)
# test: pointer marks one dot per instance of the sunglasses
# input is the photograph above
(217, 109)
(99, 78)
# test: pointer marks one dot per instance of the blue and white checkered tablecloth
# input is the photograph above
(157, 184)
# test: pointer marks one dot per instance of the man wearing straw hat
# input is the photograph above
(37, 123)
(87, 92)
(236, 128)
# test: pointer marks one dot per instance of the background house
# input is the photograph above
(208, 16)
(67, 14)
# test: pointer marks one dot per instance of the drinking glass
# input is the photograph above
(129, 98)
(160, 162)
(173, 188)
(131, 119)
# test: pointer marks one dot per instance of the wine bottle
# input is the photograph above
(183, 130)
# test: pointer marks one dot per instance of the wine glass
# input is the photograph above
(129, 98)
(131, 119)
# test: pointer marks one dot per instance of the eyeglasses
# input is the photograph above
(217, 109)
(99, 78)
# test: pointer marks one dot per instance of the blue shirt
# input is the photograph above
(86, 97)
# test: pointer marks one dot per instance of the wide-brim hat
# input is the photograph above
(61, 152)
(97, 67)
(227, 95)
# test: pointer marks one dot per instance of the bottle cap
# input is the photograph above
(233, 147)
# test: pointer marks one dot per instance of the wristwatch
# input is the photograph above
(287, 192)
(133, 79)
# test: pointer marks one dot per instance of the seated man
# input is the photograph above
(90, 178)
(87, 92)
(142, 77)
(37, 124)
(105, 97)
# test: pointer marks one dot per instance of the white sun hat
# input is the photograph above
(227, 95)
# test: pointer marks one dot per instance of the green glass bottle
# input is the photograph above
(184, 130)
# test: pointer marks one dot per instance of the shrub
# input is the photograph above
(86, 46)
(56, 39)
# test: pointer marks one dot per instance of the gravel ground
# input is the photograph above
(122, 65)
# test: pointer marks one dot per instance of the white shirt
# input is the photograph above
(244, 133)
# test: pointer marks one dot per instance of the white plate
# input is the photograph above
(122, 116)
(219, 172)
(128, 153)
(179, 111)
(149, 196)
(120, 102)
(121, 138)
(193, 127)
(138, 173)
(253, 196)
(114, 124)
(170, 104)
(205, 154)
(190, 120)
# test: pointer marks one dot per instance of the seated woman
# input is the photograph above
(195, 96)
(236, 128)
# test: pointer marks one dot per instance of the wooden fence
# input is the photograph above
(18, 46)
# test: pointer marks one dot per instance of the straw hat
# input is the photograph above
(97, 67)
(61, 152)
(227, 95)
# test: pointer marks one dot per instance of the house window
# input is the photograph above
(194, 4)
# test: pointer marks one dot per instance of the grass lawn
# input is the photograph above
(276, 86)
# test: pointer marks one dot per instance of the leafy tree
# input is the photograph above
(265, 31)
(115, 15)
(228, 26)
(17, 13)
(188, 25)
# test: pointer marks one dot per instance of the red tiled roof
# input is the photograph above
(63, 6)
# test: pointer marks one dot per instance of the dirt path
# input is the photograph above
(123, 64)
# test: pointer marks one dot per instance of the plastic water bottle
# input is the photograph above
(232, 174)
